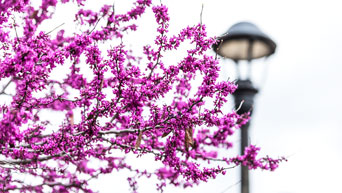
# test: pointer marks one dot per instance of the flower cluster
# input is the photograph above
(250, 159)
(116, 107)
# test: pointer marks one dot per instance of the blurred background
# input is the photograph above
(297, 111)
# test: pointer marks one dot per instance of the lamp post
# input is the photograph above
(244, 41)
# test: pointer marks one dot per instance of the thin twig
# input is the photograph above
(240, 106)
(218, 47)
(5, 87)
(127, 130)
(95, 25)
(54, 29)
(15, 28)
(231, 186)
(201, 14)
(28, 161)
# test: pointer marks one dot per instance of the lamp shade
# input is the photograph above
(244, 41)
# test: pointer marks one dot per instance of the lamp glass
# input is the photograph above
(237, 49)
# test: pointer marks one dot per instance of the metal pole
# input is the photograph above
(244, 169)
(244, 94)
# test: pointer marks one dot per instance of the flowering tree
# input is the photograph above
(119, 104)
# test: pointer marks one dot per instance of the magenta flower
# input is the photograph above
(110, 101)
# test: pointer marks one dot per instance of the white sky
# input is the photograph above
(298, 110)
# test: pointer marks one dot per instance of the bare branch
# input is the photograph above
(54, 29)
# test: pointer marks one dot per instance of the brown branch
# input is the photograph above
(5, 87)
(95, 24)
(45, 184)
(28, 161)
(54, 29)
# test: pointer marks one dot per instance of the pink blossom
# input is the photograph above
(118, 104)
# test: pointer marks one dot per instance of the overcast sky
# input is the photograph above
(297, 112)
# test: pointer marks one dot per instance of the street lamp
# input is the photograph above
(244, 41)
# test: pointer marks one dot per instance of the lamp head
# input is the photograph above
(244, 41)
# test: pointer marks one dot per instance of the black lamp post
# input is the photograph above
(244, 41)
